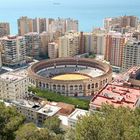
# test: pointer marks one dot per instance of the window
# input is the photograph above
(80, 87)
(71, 87)
(96, 85)
(89, 86)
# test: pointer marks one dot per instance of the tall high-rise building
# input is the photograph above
(71, 25)
(69, 45)
(4, 29)
(64, 25)
(131, 54)
(131, 21)
(90, 42)
(101, 43)
(39, 25)
(82, 43)
(25, 25)
(114, 48)
(120, 23)
(45, 38)
(0, 56)
(52, 50)
(33, 44)
(0, 61)
(14, 50)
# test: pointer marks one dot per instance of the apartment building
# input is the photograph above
(115, 43)
(0, 61)
(14, 50)
(25, 25)
(75, 116)
(39, 25)
(68, 45)
(33, 44)
(131, 54)
(52, 50)
(35, 111)
(4, 29)
(121, 23)
(14, 85)
(45, 38)
(90, 43)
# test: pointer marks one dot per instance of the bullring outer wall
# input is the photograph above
(70, 87)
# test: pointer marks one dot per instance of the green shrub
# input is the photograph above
(52, 96)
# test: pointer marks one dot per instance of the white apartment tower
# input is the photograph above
(4, 29)
(52, 50)
(14, 85)
(14, 50)
(131, 55)
(69, 45)
(33, 44)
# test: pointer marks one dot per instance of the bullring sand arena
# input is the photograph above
(70, 76)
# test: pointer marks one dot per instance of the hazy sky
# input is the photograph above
(31, 3)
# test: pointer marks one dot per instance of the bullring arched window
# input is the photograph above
(92, 85)
(58, 87)
(47, 85)
(101, 82)
(96, 85)
(71, 87)
(76, 87)
(54, 87)
(80, 87)
(44, 85)
(39, 84)
(89, 86)
(63, 87)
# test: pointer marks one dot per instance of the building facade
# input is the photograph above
(75, 116)
(14, 50)
(4, 29)
(68, 45)
(42, 75)
(52, 50)
(25, 25)
(33, 44)
(115, 43)
(131, 54)
(14, 85)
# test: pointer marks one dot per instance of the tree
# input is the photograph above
(10, 120)
(31, 132)
(110, 124)
(70, 135)
(53, 124)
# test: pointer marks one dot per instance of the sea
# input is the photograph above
(90, 13)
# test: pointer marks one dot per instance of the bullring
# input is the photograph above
(70, 76)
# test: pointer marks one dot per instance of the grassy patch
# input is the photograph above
(52, 96)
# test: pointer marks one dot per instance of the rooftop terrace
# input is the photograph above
(117, 96)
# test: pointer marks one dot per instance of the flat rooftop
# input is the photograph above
(14, 75)
(117, 95)
(41, 107)
(28, 104)
(77, 113)
(74, 76)
(49, 110)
